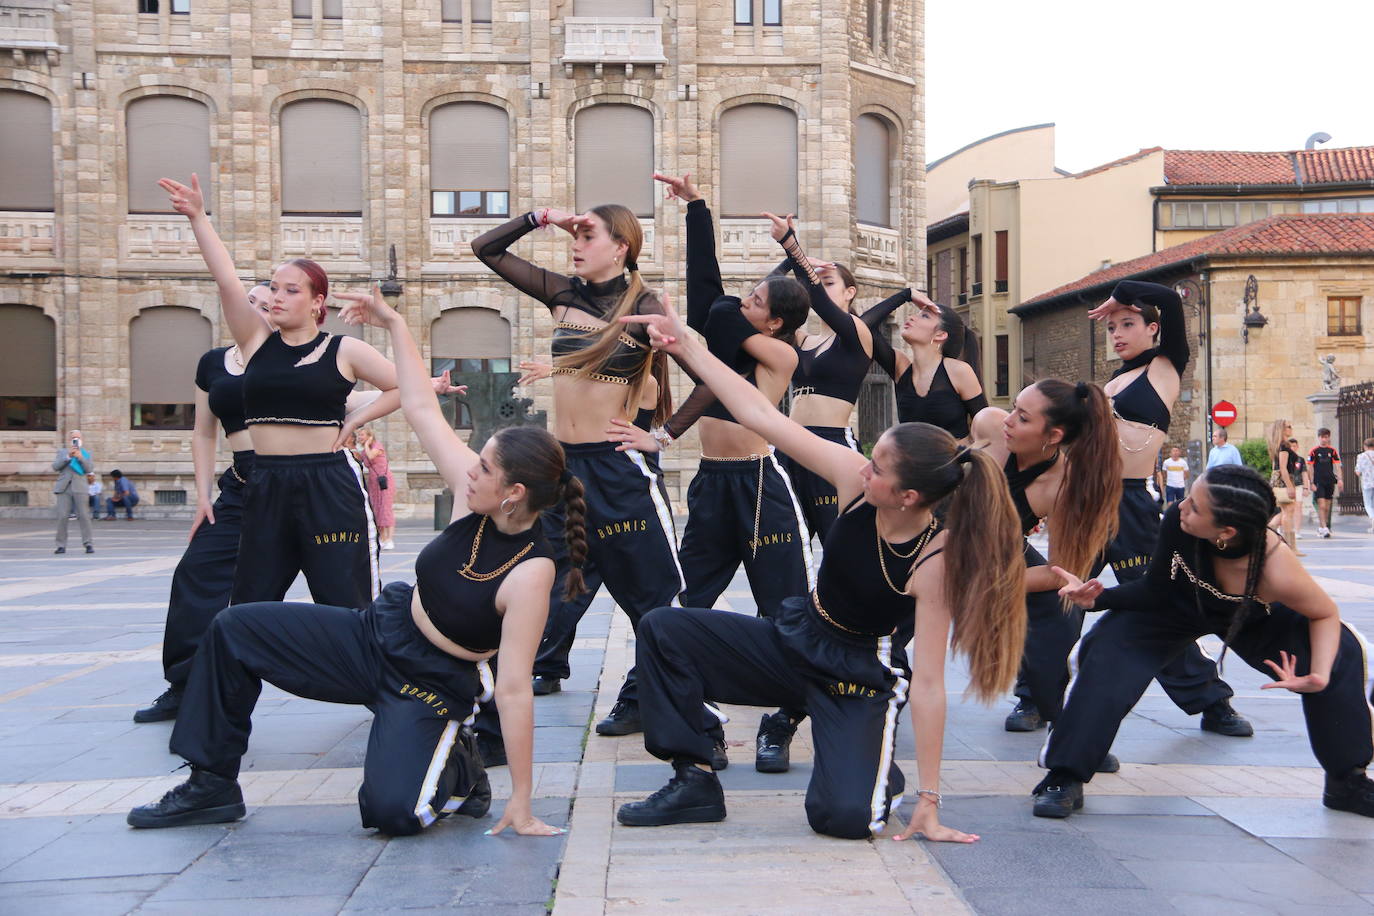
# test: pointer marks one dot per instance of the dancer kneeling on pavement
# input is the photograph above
(1217, 568)
(832, 653)
(419, 655)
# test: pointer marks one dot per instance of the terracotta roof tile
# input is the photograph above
(1354, 163)
(1327, 233)
(1321, 166)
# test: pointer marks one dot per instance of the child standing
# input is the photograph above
(94, 488)
(1325, 463)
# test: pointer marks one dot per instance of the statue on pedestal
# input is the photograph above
(1331, 379)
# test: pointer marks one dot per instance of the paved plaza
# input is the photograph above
(1193, 823)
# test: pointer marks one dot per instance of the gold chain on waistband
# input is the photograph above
(820, 609)
(237, 476)
(758, 498)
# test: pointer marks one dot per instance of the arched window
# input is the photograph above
(321, 159)
(468, 340)
(469, 160)
(165, 346)
(168, 137)
(758, 160)
(872, 170)
(615, 157)
(28, 368)
(26, 151)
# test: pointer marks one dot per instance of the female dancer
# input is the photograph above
(1143, 390)
(380, 491)
(600, 369)
(1216, 569)
(833, 653)
(1286, 494)
(1057, 446)
(418, 655)
(306, 510)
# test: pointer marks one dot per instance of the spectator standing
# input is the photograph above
(1175, 476)
(72, 464)
(123, 495)
(1364, 470)
(1297, 469)
(1222, 452)
(1326, 479)
(93, 490)
(379, 486)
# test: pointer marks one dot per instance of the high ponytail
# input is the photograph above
(1085, 516)
(984, 580)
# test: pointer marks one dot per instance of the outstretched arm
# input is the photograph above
(837, 319)
(873, 318)
(532, 280)
(244, 322)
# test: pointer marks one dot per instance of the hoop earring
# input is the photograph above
(1221, 545)
(507, 510)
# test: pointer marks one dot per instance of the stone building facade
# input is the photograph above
(322, 129)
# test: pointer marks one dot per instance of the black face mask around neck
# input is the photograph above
(1144, 358)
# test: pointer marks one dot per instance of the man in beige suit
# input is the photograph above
(72, 464)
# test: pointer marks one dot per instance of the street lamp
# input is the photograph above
(391, 286)
(1252, 317)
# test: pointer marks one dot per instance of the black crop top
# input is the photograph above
(1019, 480)
(225, 389)
(940, 407)
(623, 364)
(1138, 402)
(296, 386)
(850, 585)
(461, 607)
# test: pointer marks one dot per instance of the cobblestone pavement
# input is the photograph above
(1194, 822)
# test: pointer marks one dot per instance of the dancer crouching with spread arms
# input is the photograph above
(1217, 568)
(832, 653)
(418, 655)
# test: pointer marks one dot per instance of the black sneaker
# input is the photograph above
(1109, 764)
(1059, 800)
(491, 750)
(719, 758)
(60, 550)
(1024, 718)
(478, 800)
(623, 720)
(1222, 719)
(773, 753)
(205, 798)
(163, 708)
(1353, 792)
(692, 796)
(90, 549)
(543, 686)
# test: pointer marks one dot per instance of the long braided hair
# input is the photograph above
(1243, 500)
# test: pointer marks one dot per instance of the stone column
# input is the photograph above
(1324, 412)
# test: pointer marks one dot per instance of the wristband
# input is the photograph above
(661, 436)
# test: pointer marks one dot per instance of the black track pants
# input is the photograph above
(743, 510)
(1117, 658)
(854, 691)
(1190, 679)
(204, 579)
(557, 643)
(819, 504)
(307, 514)
(417, 766)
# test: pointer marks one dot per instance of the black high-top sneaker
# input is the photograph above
(163, 708)
(719, 758)
(1353, 792)
(1224, 720)
(773, 753)
(1058, 795)
(692, 796)
(205, 798)
(623, 720)
(478, 800)
(1024, 718)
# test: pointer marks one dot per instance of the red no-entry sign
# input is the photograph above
(1223, 413)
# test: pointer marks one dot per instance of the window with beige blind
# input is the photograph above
(468, 340)
(309, 9)
(469, 160)
(613, 8)
(165, 346)
(615, 157)
(872, 170)
(456, 10)
(321, 159)
(1343, 316)
(758, 160)
(168, 137)
(28, 368)
(26, 152)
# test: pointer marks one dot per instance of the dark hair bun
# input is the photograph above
(1082, 391)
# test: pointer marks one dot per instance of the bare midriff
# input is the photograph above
(583, 408)
(241, 441)
(1139, 444)
(724, 439)
(821, 410)
(440, 641)
(290, 439)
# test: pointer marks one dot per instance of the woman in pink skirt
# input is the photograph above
(380, 487)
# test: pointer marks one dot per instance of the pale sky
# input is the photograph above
(1119, 76)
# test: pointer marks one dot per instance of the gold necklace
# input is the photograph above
(235, 352)
(467, 573)
(922, 540)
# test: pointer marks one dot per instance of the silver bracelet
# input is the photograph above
(939, 799)
(661, 436)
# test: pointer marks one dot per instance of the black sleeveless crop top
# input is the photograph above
(624, 364)
(225, 390)
(837, 371)
(295, 386)
(1138, 402)
(940, 407)
(851, 589)
(1018, 480)
(457, 588)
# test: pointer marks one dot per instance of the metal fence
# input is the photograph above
(1355, 421)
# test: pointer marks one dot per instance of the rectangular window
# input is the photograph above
(14, 498)
(451, 10)
(28, 412)
(163, 416)
(1000, 277)
(963, 275)
(331, 9)
(944, 276)
(772, 12)
(181, 7)
(1343, 316)
(169, 497)
(470, 203)
(1003, 366)
(301, 9)
(930, 277)
(977, 289)
(744, 12)
(147, 6)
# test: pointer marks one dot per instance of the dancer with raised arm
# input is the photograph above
(833, 652)
(419, 655)
(600, 369)
(1217, 568)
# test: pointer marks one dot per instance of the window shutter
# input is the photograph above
(758, 160)
(165, 346)
(613, 8)
(28, 353)
(469, 148)
(322, 158)
(168, 137)
(470, 333)
(615, 158)
(872, 164)
(26, 151)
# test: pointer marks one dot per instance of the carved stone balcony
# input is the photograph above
(878, 246)
(618, 42)
(748, 241)
(151, 237)
(450, 238)
(28, 25)
(324, 238)
(26, 238)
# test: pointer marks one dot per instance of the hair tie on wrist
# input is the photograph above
(1082, 391)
